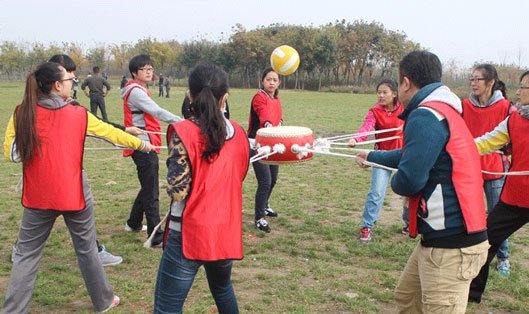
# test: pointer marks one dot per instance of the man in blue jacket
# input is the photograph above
(439, 171)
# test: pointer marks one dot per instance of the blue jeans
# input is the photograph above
(176, 275)
(375, 197)
(492, 193)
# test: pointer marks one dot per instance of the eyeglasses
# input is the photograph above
(476, 79)
(69, 79)
(146, 69)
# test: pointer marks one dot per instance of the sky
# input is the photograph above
(460, 32)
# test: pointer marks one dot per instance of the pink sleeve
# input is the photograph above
(369, 125)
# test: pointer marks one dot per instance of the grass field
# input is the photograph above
(311, 262)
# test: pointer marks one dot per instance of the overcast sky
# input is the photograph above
(464, 31)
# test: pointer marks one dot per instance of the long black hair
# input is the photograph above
(39, 82)
(207, 86)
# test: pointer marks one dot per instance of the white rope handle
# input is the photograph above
(148, 243)
(116, 148)
(153, 132)
(511, 173)
(369, 142)
(348, 136)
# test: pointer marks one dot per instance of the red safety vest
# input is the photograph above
(516, 187)
(212, 217)
(151, 123)
(466, 173)
(53, 177)
(388, 120)
(482, 120)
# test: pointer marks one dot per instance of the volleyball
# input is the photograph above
(284, 60)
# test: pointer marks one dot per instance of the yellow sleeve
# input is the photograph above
(99, 128)
(9, 139)
(493, 140)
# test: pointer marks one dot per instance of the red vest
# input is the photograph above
(212, 217)
(151, 123)
(53, 177)
(388, 120)
(516, 187)
(482, 120)
(466, 173)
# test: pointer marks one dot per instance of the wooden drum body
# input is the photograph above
(281, 139)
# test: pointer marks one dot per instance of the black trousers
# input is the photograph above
(147, 200)
(502, 221)
(266, 180)
(98, 101)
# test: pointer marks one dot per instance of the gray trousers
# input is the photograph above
(35, 229)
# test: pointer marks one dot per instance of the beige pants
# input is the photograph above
(437, 280)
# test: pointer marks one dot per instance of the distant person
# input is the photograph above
(382, 116)
(98, 90)
(141, 111)
(167, 84)
(512, 210)
(47, 135)
(483, 110)
(206, 223)
(265, 111)
(160, 85)
(439, 170)
(123, 82)
(75, 87)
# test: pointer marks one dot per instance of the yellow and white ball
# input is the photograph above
(284, 60)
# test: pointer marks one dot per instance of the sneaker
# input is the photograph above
(114, 303)
(107, 259)
(504, 267)
(13, 253)
(262, 225)
(405, 230)
(157, 239)
(365, 235)
(270, 212)
(129, 229)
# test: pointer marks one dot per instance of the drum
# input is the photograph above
(281, 139)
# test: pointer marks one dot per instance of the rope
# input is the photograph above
(369, 142)
(348, 136)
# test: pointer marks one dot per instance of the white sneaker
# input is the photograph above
(129, 229)
(262, 225)
(114, 303)
(107, 259)
(13, 253)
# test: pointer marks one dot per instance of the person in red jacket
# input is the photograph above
(512, 210)
(483, 110)
(266, 111)
(208, 161)
(382, 116)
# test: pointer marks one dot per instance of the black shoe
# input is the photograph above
(157, 239)
(474, 298)
(262, 225)
(270, 212)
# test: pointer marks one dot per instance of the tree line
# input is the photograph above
(351, 54)
(339, 53)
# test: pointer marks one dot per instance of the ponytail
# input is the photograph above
(25, 115)
(207, 86)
